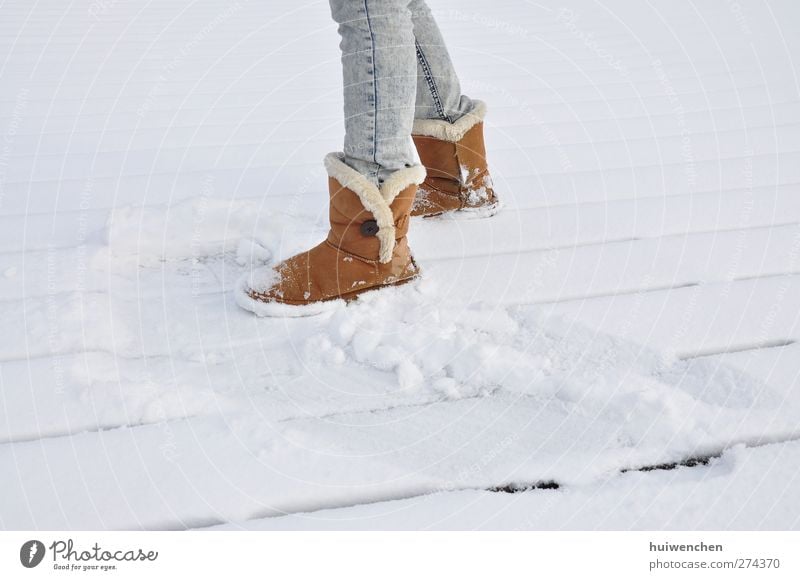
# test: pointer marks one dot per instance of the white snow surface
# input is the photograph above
(721, 496)
(635, 302)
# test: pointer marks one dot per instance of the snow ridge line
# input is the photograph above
(265, 78)
(663, 168)
(777, 343)
(646, 290)
(770, 189)
(606, 101)
(597, 143)
(621, 240)
(95, 430)
(700, 460)
(496, 125)
(289, 419)
(588, 242)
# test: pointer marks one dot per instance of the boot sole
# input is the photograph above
(284, 310)
(352, 296)
(467, 213)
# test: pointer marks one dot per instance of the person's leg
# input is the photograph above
(372, 185)
(438, 88)
(379, 69)
(447, 131)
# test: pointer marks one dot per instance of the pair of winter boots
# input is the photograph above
(367, 247)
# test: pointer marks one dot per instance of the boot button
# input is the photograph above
(369, 228)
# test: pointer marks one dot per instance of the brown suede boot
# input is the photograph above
(454, 156)
(366, 247)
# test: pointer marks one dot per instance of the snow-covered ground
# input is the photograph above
(635, 303)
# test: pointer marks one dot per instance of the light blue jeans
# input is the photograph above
(396, 68)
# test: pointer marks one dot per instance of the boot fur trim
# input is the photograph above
(375, 200)
(451, 132)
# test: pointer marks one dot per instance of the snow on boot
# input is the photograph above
(366, 247)
(454, 156)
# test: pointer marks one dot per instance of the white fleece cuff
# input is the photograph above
(451, 132)
(375, 200)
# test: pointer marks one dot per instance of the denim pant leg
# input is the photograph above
(379, 68)
(438, 89)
